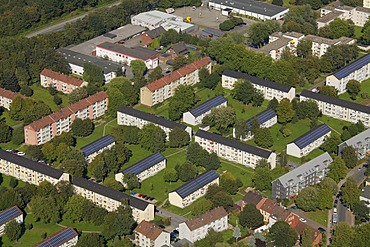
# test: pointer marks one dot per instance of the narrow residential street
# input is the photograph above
(175, 218)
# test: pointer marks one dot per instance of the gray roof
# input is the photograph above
(352, 67)
(320, 40)
(144, 164)
(30, 164)
(366, 192)
(153, 17)
(323, 161)
(277, 44)
(80, 59)
(180, 48)
(208, 105)
(357, 138)
(252, 6)
(97, 145)
(137, 52)
(156, 32)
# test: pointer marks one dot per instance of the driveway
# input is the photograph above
(309, 222)
(175, 218)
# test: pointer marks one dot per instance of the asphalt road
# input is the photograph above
(60, 26)
(175, 218)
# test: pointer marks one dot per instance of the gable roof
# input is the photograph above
(149, 230)
(361, 137)
(180, 48)
(207, 106)
(268, 206)
(61, 77)
(58, 238)
(137, 52)
(144, 164)
(156, 32)
(233, 143)
(9, 214)
(206, 218)
(9, 94)
(256, 80)
(252, 198)
(97, 145)
(336, 101)
(352, 67)
(312, 135)
(262, 117)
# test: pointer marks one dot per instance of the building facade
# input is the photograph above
(62, 83)
(149, 234)
(46, 128)
(321, 45)
(339, 109)
(7, 97)
(360, 142)
(233, 150)
(193, 190)
(7, 215)
(269, 89)
(310, 173)
(358, 70)
(66, 237)
(164, 88)
(309, 141)
(196, 115)
(197, 228)
(132, 117)
(90, 151)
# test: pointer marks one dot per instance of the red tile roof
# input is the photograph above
(149, 230)
(268, 206)
(315, 234)
(206, 218)
(61, 77)
(178, 74)
(9, 94)
(67, 111)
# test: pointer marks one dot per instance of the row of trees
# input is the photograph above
(345, 235)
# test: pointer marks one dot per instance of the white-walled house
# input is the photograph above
(196, 115)
(197, 228)
(90, 151)
(269, 89)
(7, 215)
(233, 150)
(148, 234)
(193, 190)
(66, 237)
(309, 141)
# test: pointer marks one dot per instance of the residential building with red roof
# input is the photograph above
(7, 97)
(62, 83)
(46, 128)
(149, 234)
(164, 88)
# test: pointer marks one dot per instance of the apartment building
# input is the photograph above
(132, 117)
(149, 234)
(278, 42)
(360, 142)
(29, 171)
(62, 83)
(7, 215)
(122, 54)
(111, 199)
(66, 237)
(310, 173)
(309, 141)
(269, 89)
(321, 45)
(7, 97)
(145, 168)
(193, 190)
(197, 228)
(358, 70)
(366, 3)
(90, 151)
(339, 109)
(164, 88)
(233, 150)
(196, 115)
(266, 119)
(46, 128)
(325, 20)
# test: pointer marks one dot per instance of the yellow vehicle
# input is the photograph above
(188, 19)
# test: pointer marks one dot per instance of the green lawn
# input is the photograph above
(365, 88)
(8, 120)
(82, 226)
(42, 94)
(6, 180)
(335, 124)
(358, 33)
(318, 216)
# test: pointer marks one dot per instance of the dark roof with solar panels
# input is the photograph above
(144, 164)
(59, 238)
(312, 135)
(97, 145)
(9, 214)
(352, 67)
(262, 117)
(207, 106)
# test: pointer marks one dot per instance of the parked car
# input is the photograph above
(133, 193)
(140, 195)
(302, 220)
(294, 207)
(322, 230)
(21, 153)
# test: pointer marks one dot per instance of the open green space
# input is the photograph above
(316, 152)
(6, 180)
(42, 94)
(8, 120)
(81, 226)
(365, 89)
(358, 33)
(318, 216)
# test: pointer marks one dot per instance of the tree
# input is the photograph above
(219, 90)
(98, 168)
(186, 171)
(118, 223)
(250, 217)
(343, 235)
(273, 104)
(236, 234)
(113, 184)
(349, 156)
(308, 199)
(353, 88)
(338, 169)
(170, 175)
(350, 192)
(211, 239)
(91, 239)
(18, 135)
(331, 144)
(307, 109)
(328, 184)
(259, 32)
(263, 138)
(155, 74)
(201, 206)
(182, 101)
(45, 209)
(304, 48)
(152, 138)
(77, 95)
(57, 100)
(138, 68)
(74, 167)
(13, 230)
(245, 92)
(337, 28)
(283, 235)
(300, 19)
(222, 199)
(211, 80)
(126, 134)
(262, 178)
(361, 210)
(328, 90)
(178, 138)
(306, 238)
(26, 91)
(230, 183)
(222, 118)
(74, 209)
(83, 127)
(5, 132)
(365, 38)
(362, 235)
(93, 75)
(278, 2)
(283, 158)
(13, 182)
(285, 111)
(131, 181)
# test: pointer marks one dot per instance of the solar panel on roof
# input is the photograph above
(207, 106)
(97, 145)
(144, 164)
(58, 239)
(262, 117)
(359, 63)
(312, 135)
(196, 183)
(8, 215)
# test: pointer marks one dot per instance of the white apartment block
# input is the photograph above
(145, 168)
(90, 151)
(269, 89)
(358, 70)
(149, 234)
(197, 228)
(7, 215)
(233, 150)
(360, 142)
(193, 190)
(309, 141)
(164, 88)
(130, 117)
(7, 97)
(321, 45)
(110, 199)
(66, 237)
(196, 115)
(339, 109)
(279, 41)
(366, 3)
